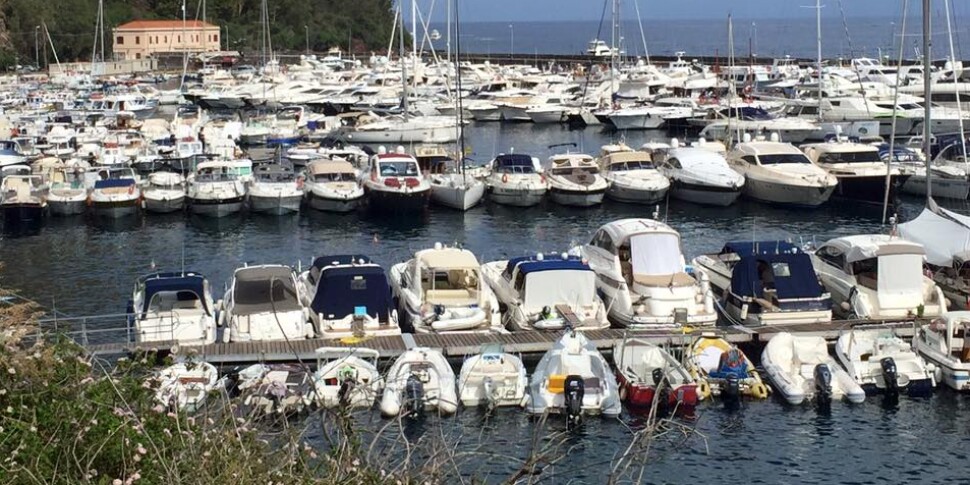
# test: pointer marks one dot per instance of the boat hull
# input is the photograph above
(396, 202)
(576, 198)
(115, 210)
(704, 194)
(22, 213)
(460, 198)
(870, 189)
(215, 207)
(329, 204)
(164, 206)
(516, 197)
(66, 207)
(786, 194)
(275, 205)
(632, 195)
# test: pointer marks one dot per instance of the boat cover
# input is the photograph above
(793, 275)
(656, 254)
(265, 289)
(524, 163)
(174, 282)
(109, 183)
(529, 264)
(343, 289)
(943, 233)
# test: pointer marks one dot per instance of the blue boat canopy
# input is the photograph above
(792, 276)
(342, 289)
(187, 286)
(749, 248)
(106, 184)
(529, 264)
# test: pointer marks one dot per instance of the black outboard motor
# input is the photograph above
(890, 375)
(823, 384)
(575, 389)
(346, 389)
(414, 395)
(732, 389)
(661, 394)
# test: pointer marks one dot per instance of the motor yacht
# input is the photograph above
(172, 307)
(348, 296)
(333, 186)
(642, 276)
(115, 193)
(395, 184)
(68, 194)
(264, 303)
(700, 175)
(883, 363)
(862, 174)
(23, 198)
(779, 173)
(632, 176)
(451, 186)
(516, 180)
(546, 292)
(275, 190)
(766, 283)
(441, 290)
(574, 180)
(164, 193)
(215, 189)
(876, 276)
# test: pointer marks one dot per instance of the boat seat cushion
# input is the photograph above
(676, 279)
(450, 297)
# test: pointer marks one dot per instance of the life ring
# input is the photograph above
(505, 178)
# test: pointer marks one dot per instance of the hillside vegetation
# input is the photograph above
(364, 24)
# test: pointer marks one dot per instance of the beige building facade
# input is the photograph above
(139, 39)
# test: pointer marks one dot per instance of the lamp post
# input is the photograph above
(306, 31)
(511, 40)
(37, 46)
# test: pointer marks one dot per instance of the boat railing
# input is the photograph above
(103, 329)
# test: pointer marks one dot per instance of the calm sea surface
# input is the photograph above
(85, 267)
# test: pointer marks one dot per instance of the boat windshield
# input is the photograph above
(632, 165)
(334, 177)
(850, 157)
(782, 158)
(260, 295)
(393, 169)
(548, 288)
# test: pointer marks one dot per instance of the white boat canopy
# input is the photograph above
(943, 233)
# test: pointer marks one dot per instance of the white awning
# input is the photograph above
(942, 233)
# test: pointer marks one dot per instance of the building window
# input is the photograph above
(166, 39)
(179, 39)
(120, 40)
(137, 40)
(138, 55)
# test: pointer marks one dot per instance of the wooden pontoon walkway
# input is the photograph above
(460, 345)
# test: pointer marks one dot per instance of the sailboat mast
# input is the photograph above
(956, 78)
(404, 68)
(460, 112)
(926, 95)
(818, 56)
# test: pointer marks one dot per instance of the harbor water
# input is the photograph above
(83, 266)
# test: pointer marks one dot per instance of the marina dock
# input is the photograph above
(458, 345)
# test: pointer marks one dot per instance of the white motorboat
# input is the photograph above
(264, 303)
(945, 343)
(395, 184)
(700, 176)
(332, 185)
(779, 173)
(862, 174)
(884, 363)
(165, 192)
(67, 195)
(766, 283)
(632, 176)
(186, 386)
(275, 190)
(800, 368)
(546, 292)
(573, 379)
(115, 193)
(348, 296)
(492, 378)
(516, 180)
(647, 117)
(877, 276)
(643, 279)
(23, 198)
(397, 129)
(172, 307)
(441, 290)
(420, 380)
(574, 180)
(450, 185)
(345, 377)
(215, 189)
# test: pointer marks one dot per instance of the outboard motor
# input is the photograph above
(890, 375)
(414, 395)
(575, 389)
(823, 384)
(732, 389)
(491, 393)
(661, 394)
